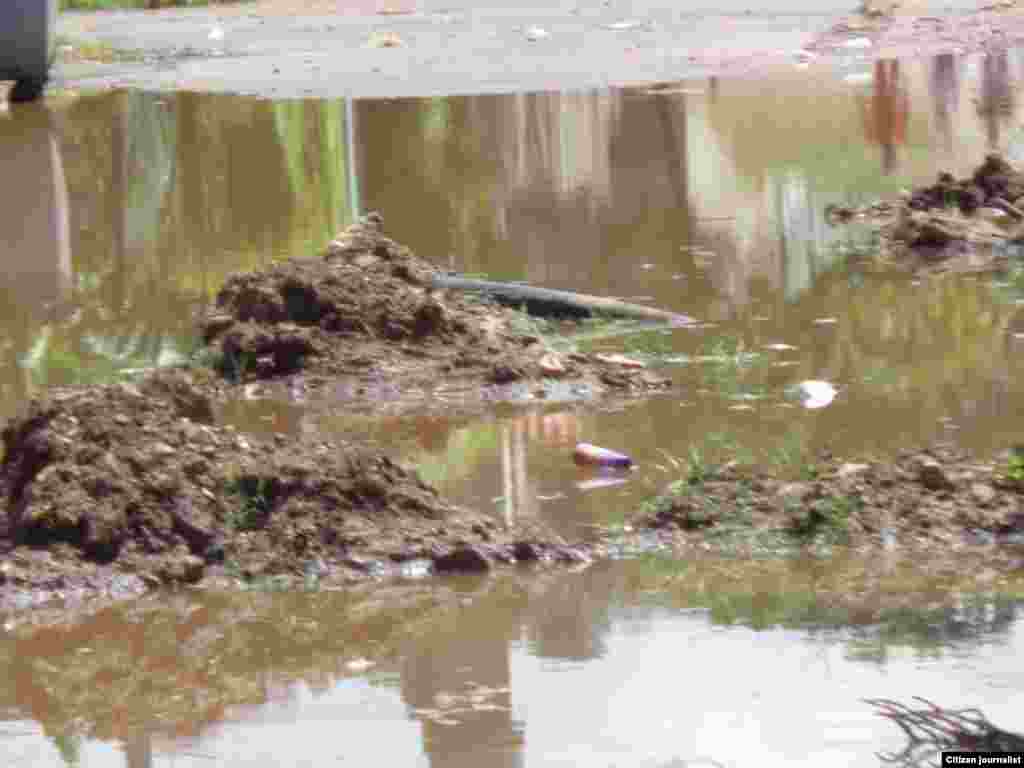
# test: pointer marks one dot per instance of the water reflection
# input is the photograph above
(887, 112)
(515, 670)
(708, 205)
(106, 269)
(945, 94)
(36, 286)
(996, 104)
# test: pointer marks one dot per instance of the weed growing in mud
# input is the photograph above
(791, 455)
(826, 521)
(254, 503)
(1015, 466)
(232, 367)
(235, 368)
(726, 362)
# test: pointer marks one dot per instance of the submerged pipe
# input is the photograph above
(548, 302)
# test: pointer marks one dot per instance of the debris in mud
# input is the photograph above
(932, 729)
(933, 225)
(385, 40)
(933, 497)
(369, 309)
(117, 487)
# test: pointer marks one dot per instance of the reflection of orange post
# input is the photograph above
(885, 119)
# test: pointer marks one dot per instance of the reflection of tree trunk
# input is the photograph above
(190, 187)
(138, 751)
(996, 94)
(468, 656)
(945, 94)
(519, 498)
(675, 149)
(118, 204)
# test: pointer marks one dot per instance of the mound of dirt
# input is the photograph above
(952, 224)
(367, 310)
(117, 487)
(928, 498)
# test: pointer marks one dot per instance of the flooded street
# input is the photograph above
(703, 197)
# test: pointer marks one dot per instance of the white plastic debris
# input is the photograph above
(217, 33)
(816, 394)
(622, 25)
(859, 78)
(537, 33)
(858, 42)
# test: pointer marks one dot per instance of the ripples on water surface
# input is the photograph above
(705, 199)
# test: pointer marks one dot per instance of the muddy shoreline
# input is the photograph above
(116, 489)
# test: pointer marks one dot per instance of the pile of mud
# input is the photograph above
(951, 218)
(367, 310)
(115, 488)
(935, 498)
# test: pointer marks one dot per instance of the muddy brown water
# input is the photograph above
(638, 662)
(702, 197)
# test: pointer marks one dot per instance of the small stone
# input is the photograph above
(983, 494)
(163, 449)
(850, 469)
(465, 558)
(794, 491)
(932, 476)
(526, 551)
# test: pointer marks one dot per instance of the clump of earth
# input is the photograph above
(937, 498)
(952, 225)
(367, 312)
(121, 487)
(118, 488)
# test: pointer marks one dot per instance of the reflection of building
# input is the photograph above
(467, 658)
(570, 619)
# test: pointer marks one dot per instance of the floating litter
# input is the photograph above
(816, 394)
(586, 453)
(620, 25)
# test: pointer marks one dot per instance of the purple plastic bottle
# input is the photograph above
(593, 455)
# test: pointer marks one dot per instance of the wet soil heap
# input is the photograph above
(939, 497)
(367, 310)
(953, 217)
(121, 486)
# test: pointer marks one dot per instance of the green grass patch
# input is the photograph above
(254, 500)
(826, 521)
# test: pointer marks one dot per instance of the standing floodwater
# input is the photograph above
(704, 198)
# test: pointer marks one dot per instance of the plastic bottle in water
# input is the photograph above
(586, 453)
